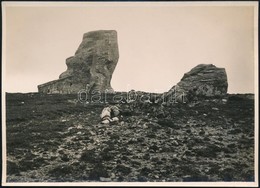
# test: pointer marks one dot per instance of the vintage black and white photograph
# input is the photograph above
(130, 93)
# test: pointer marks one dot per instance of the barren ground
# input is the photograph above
(50, 138)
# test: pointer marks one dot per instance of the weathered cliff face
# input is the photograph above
(204, 80)
(93, 63)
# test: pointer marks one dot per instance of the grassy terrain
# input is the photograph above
(52, 138)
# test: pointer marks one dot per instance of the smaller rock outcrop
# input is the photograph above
(204, 80)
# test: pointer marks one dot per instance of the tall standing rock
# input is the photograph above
(204, 80)
(93, 63)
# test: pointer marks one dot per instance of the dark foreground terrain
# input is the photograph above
(52, 138)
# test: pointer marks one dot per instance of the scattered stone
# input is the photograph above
(202, 132)
(79, 127)
(175, 143)
(105, 179)
(224, 101)
(145, 126)
(113, 176)
(123, 169)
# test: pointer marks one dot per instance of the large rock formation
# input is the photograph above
(204, 80)
(93, 63)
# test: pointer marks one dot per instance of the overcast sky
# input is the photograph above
(158, 43)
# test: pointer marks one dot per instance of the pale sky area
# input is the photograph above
(157, 43)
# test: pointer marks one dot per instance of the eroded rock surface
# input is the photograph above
(93, 63)
(204, 80)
